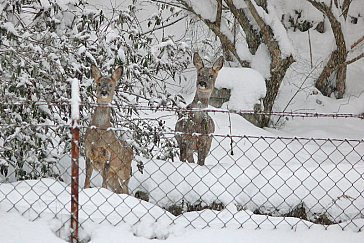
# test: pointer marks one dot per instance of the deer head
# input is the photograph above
(105, 86)
(206, 76)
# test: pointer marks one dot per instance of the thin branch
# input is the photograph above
(357, 58)
(357, 42)
(170, 4)
(223, 38)
(218, 14)
(164, 26)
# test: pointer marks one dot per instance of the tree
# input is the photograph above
(258, 23)
(333, 76)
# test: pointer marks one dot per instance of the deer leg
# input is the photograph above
(124, 183)
(203, 149)
(182, 152)
(189, 155)
(114, 182)
(123, 178)
(89, 170)
(105, 174)
(201, 157)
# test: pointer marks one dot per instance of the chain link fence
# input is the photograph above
(246, 182)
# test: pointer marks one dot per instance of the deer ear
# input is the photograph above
(197, 61)
(95, 73)
(218, 64)
(117, 74)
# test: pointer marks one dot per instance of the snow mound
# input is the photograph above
(246, 84)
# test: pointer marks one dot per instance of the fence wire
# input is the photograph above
(246, 182)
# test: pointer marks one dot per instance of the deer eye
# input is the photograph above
(211, 76)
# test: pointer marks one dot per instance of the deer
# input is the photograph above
(198, 122)
(104, 151)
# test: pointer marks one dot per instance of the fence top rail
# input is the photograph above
(139, 107)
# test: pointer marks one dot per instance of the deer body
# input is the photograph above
(104, 151)
(198, 121)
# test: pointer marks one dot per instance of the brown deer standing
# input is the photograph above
(198, 122)
(104, 151)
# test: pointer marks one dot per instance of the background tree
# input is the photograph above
(333, 76)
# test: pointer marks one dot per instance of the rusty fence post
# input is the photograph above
(75, 130)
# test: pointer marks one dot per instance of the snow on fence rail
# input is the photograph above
(259, 181)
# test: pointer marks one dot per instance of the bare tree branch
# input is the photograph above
(164, 26)
(357, 42)
(218, 14)
(357, 58)
(216, 29)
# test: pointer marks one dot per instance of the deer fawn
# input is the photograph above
(198, 121)
(104, 151)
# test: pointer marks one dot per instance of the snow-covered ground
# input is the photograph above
(101, 209)
(16, 228)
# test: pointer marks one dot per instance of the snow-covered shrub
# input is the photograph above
(43, 43)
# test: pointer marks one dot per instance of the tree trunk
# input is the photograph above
(273, 85)
(278, 66)
(336, 67)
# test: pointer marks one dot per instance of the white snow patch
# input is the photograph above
(121, 54)
(261, 61)
(75, 99)
(8, 26)
(206, 8)
(247, 87)
(280, 33)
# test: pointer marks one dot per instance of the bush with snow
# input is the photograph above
(44, 43)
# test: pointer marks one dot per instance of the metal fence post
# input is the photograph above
(75, 150)
(74, 182)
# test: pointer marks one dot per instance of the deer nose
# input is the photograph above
(103, 93)
(202, 84)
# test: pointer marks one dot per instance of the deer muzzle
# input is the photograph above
(202, 85)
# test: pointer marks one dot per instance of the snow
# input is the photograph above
(261, 61)
(280, 34)
(309, 13)
(8, 26)
(201, 8)
(26, 231)
(121, 54)
(75, 99)
(100, 209)
(243, 51)
(246, 84)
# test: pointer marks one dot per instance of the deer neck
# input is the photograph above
(197, 103)
(200, 103)
(101, 117)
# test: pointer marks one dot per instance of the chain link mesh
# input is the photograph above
(247, 182)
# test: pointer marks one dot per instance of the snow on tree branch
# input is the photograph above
(271, 19)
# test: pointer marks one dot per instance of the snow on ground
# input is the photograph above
(101, 209)
(40, 231)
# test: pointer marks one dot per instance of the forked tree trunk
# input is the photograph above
(279, 63)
